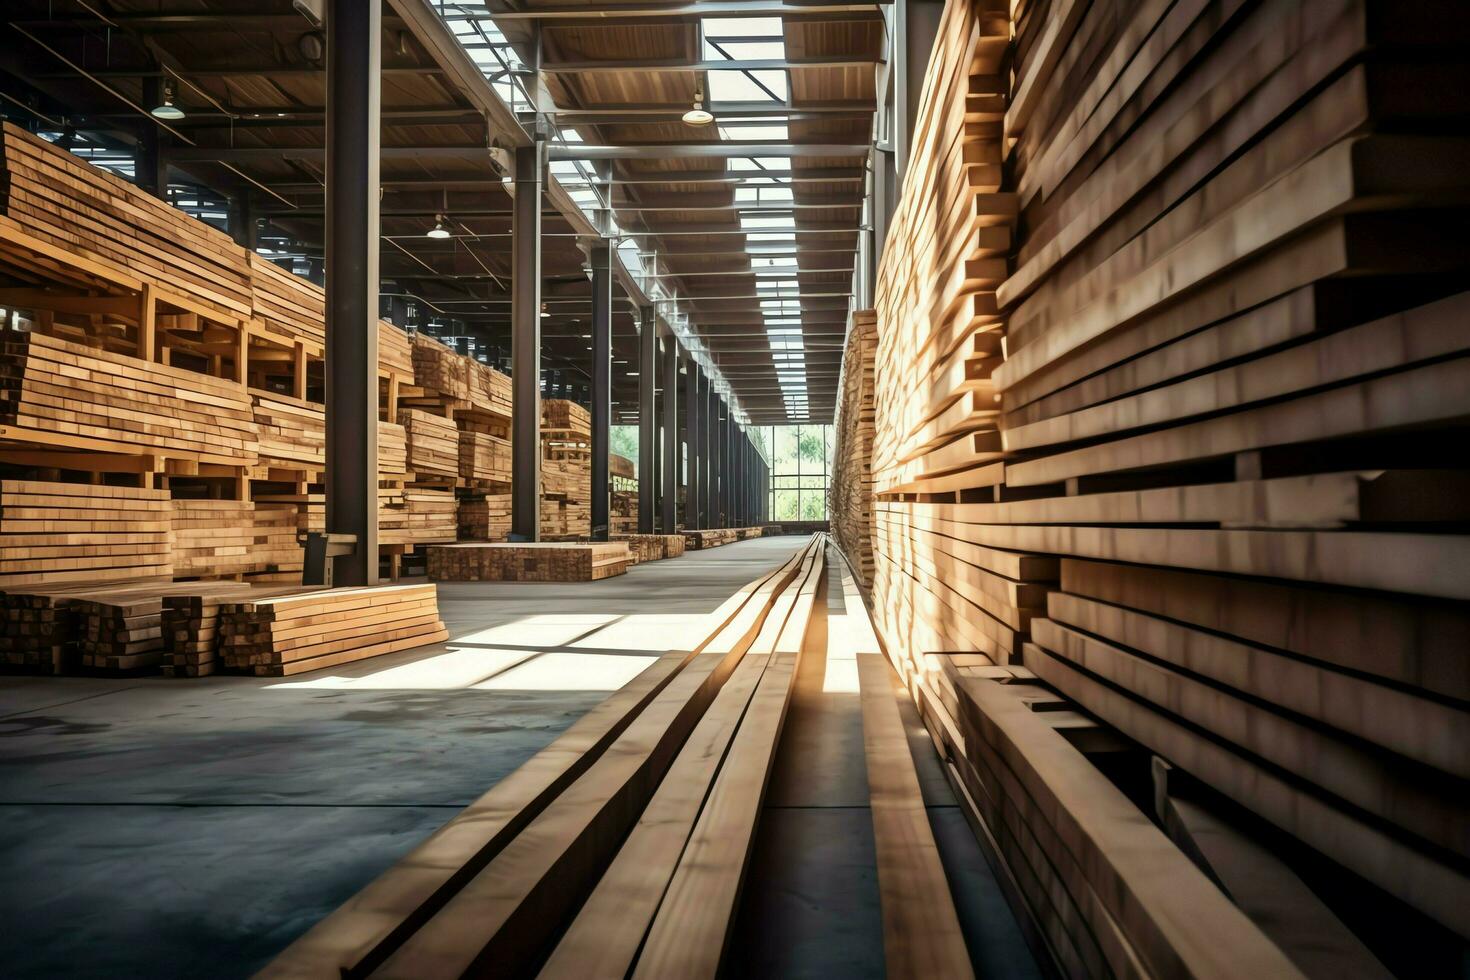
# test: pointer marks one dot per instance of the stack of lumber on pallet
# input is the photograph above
(621, 848)
(453, 382)
(289, 306)
(653, 547)
(61, 393)
(288, 634)
(433, 445)
(51, 199)
(59, 533)
(1201, 492)
(850, 492)
(392, 451)
(717, 536)
(121, 630)
(561, 561)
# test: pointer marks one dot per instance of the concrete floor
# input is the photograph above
(183, 828)
(187, 828)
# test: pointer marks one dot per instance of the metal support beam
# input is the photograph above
(716, 459)
(243, 226)
(916, 24)
(601, 388)
(670, 495)
(150, 164)
(525, 507)
(647, 430)
(694, 420)
(354, 46)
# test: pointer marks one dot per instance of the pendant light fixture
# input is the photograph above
(439, 230)
(166, 109)
(698, 115)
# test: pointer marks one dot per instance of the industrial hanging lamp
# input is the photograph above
(698, 115)
(167, 109)
(439, 230)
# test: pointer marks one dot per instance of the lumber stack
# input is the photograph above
(621, 848)
(415, 515)
(652, 547)
(850, 492)
(289, 306)
(1199, 498)
(281, 635)
(566, 470)
(484, 458)
(485, 518)
(53, 201)
(36, 630)
(213, 537)
(292, 431)
(544, 561)
(717, 536)
(392, 451)
(433, 445)
(63, 394)
(60, 533)
(190, 626)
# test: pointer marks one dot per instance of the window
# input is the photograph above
(801, 466)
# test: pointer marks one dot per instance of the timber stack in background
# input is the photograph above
(1169, 529)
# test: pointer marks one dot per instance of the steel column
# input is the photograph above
(647, 424)
(525, 345)
(601, 388)
(354, 53)
(694, 424)
(670, 497)
(150, 163)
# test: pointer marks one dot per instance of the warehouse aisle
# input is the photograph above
(810, 906)
(156, 827)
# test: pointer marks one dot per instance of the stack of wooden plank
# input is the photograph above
(392, 451)
(850, 492)
(484, 458)
(566, 470)
(36, 629)
(457, 385)
(59, 533)
(1200, 493)
(63, 394)
(213, 537)
(484, 518)
(566, 416)
(433, 445)
(189, 623)
(53, 201)
(292, 431)
(711, 537)
(653, 547)
(412, 516)
(528, 562)
(281, 635)
(288, 306)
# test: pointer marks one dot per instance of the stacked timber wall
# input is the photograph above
(1171, 374)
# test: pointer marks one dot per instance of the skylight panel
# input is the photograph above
(740, 131)
(765, 85)
(755, 219)
(772, 236)
(718, 27)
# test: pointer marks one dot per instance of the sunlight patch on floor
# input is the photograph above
(564, 671)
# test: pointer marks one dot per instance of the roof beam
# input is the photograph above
(701, 65)
(641, 151)
(729, 8)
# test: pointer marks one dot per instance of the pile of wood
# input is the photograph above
(190, 626)
(433, 445)
(528, 562)
(213, 537)
(289, 306)
(1199, 498)
(485, 518)
(850, 492)
(59, 393)
(392, 451)
(36, 630)
(280, 635)
(457, 384)
(53, 201)
(414, 516)
(653, 547)
(59, 533)
(717, 536)
(566, 470)
(292, 431)
(484, 458)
